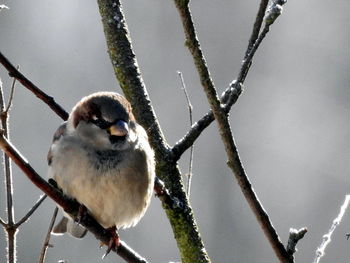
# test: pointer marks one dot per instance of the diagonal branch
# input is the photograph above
(2, 222)
(249, 58)
(257, 25)
(126, 69)
(50, 101)
(69, 205)
(129, 77)
(190, 110)
(233, 91)
(268, 16)
(46, 244)
(12, 92)
(327, 238)
(171, 204)
(234, 161)
(31, 211)
(228, 99)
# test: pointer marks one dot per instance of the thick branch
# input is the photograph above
(127, 71)
(128, 74)
(69, 205)
(234, 161)
(29, 85)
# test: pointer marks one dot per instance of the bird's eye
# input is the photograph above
(103, 124)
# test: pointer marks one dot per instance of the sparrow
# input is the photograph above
(101, 157)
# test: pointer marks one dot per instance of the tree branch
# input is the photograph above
(271, 14)
(10, 229)
(46, 244)
(248, 59)
(179, 211)
(257, 25)
(327, 238)
(69, 205)
(234, 161)
(126, 70)
(12, 92)
(2, 222)
(128, 74)
(294, 237)
(31, 211)
(228, 99)
(235, 88)
(190, 109)
(13, 72)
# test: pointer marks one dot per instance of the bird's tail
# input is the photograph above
(68, 225)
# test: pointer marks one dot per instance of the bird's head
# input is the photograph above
(103, 119)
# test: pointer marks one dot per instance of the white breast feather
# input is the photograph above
(112, 197)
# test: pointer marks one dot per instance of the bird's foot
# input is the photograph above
(53, 183)
(82, 212)
(114, 242)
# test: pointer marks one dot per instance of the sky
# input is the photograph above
(291, 124)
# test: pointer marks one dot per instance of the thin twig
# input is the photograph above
(254, 42)
(30, 86)
(229, 97)
(46, 244)
(31, 211)
(69, 205)
(8, 174)
(326, 239)
(248, 59)
(189, 104)
(2, 222)
(10, 229)
(190, 109)
(294, 237)
(271, 14)
(234, 161)
(257, 25)
(9, 104)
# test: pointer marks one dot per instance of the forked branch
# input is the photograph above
(234, 161)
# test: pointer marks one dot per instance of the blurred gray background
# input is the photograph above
(291, 124)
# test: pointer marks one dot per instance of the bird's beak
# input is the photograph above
(120, 128)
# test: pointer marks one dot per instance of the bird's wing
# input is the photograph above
(58, 134)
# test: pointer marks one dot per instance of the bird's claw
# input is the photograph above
(114, 242)
(81, 214)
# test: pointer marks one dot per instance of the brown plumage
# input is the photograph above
(101, 157)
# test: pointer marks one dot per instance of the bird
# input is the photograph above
(101, 157)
